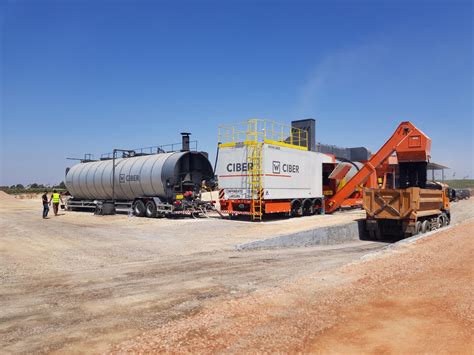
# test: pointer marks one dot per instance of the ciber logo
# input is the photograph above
(238, 167)
(126, 178)
(278, 167)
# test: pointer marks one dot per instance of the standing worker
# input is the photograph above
(45, 204)
(55, 198)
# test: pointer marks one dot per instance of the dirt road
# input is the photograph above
(415, 299)
(79, 282)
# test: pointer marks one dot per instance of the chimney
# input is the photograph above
(185, 141)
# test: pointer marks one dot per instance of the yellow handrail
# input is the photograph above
(261, 130)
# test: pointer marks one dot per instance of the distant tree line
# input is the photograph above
(35, 187)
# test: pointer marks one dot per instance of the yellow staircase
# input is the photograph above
(254, 171)
(254, 179)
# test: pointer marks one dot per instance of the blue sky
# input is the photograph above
(87, 76)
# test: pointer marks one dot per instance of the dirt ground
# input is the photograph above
(416, 298)
(79, 282)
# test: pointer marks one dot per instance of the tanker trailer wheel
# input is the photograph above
(139, 208)
(424, 226)
(296, 208)
(150, 209)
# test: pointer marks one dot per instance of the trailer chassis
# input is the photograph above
(144, 206)
(295, 207)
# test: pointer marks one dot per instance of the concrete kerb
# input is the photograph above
(329, 235)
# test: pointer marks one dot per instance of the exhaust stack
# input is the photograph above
(185, 141)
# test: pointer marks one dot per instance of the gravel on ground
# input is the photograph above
(84, 283)
(415, 298)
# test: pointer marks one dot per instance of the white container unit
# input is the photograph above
(288, 175)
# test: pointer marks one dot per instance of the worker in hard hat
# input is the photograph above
(46, 204)
(55, 199)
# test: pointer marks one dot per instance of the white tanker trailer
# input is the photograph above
(152, 185)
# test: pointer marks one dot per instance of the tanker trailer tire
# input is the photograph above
(139, 208)
(150, 209)
(296, 208)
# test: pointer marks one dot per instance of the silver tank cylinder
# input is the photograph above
(158, 175)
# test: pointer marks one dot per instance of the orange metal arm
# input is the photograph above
(409, 142)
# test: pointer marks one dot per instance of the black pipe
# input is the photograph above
(185, 141)
(349, 161)
(217, 156)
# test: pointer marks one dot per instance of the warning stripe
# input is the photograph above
(183, 212)
(221, 194)
(236, 212)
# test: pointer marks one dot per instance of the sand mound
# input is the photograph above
(4, 196)
(29, 196)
